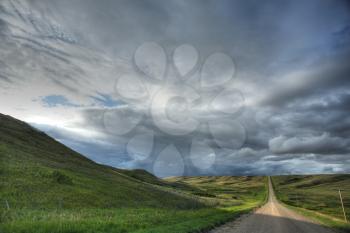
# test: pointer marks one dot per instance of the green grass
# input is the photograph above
(120, 220)
(317, 197)
(226, 190)
(47, 187)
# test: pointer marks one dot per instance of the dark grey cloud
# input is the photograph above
(323, 144)
(317, 79)
(291, 60)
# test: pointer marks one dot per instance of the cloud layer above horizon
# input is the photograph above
(62, 61)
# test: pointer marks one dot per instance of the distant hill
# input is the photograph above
(39, 172)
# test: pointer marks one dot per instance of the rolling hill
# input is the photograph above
(47, 187)
(39, 172)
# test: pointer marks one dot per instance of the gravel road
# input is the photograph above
(272, 218)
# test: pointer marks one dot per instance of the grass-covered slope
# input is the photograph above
(46, 187)
(318, 195)
(38, 172)
(227, 190)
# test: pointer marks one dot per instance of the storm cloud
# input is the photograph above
(84, 78)
(322, 144)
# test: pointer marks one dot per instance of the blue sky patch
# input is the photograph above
(56, 100)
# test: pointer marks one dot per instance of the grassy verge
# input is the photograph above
(229, 197)
(140, 220)
(326, 220)
(119, 220)
(316, 197)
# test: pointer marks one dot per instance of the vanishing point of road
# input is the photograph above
(272, 218)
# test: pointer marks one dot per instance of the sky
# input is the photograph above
(184, 87)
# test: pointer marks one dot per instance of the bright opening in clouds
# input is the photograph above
(184, 87)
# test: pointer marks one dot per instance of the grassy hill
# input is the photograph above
(227, 190)
(38, 172)
(316, 196)
(47, 187)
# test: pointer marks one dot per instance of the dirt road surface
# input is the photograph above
(272, 218)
